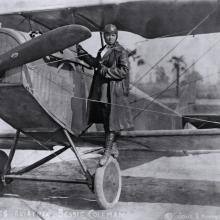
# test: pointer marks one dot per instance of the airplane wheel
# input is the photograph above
(3, 161)
(107, 184)
(1, 188)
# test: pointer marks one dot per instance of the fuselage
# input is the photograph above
(42, 97)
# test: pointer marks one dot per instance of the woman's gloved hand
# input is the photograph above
(86, 57)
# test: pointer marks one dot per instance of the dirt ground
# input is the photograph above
(156, 185)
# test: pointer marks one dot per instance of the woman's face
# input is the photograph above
(110, 38)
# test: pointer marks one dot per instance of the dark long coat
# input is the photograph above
(110, 85)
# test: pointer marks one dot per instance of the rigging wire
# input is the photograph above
(145, 109)
(147, 73)
(173, 48)
(183, 85)
(174, 81)
(161, 37)
(46, 148)
(148, 110)
(135, 108)
(200, 23)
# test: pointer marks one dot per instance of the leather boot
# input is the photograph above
(115, 152)
(108, 148)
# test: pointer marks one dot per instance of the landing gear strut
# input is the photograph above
(105, 183)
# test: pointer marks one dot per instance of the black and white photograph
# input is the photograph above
(110, 110)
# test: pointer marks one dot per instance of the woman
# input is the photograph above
(108, 97)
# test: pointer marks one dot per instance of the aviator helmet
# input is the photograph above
(110, 28)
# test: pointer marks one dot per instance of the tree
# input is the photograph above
(179, 65)
(161, 76)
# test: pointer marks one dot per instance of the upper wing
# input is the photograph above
(147, 18)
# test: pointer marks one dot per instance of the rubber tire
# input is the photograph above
(3, 161)
(107, 184)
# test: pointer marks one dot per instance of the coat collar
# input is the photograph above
(108, 52)
(116, 46)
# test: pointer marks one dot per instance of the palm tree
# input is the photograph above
(179, 64)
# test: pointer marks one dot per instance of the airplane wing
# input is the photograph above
(150, 19)
(202, 121)
(147, 18)
(178, 140)
(24, 143)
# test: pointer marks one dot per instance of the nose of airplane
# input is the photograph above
(44, 45)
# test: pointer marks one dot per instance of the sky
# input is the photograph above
(126, 39)
(191, 47)
(203, 50)
(33, 5)
(151, 50)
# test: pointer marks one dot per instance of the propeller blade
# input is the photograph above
(43, 45)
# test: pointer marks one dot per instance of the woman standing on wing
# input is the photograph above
(108, 97)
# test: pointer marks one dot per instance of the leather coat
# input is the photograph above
(110, 85)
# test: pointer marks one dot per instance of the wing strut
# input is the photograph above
(83, 17)
(12, 152)
(101, 37)
(35, 21)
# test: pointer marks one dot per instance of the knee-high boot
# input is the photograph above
(115, 152)
(109, 139)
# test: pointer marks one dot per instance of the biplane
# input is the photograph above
(44, 86)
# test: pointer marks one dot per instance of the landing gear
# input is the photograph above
(107, 184)
(3, 163)
(107, 181)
